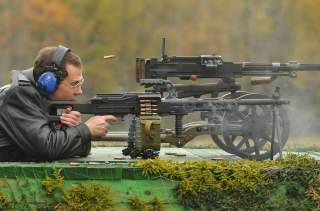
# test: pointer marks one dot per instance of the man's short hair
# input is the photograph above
(44, 59)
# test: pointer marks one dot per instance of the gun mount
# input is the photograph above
(153, 73)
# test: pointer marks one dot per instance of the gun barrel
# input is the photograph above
(309, 67)
(266, 101)
(276, 68)
(185, 106)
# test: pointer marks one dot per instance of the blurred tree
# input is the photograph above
(262, 31)
(306, 41)
(29, 25)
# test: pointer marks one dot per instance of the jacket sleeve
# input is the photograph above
(24, 118)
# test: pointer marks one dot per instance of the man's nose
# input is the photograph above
(78, 91)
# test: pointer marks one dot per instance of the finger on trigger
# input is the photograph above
(110, 118)
(68, 109)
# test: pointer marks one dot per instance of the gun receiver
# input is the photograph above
(139, 104)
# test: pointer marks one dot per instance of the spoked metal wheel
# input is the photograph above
(247, 129)
(216, 119)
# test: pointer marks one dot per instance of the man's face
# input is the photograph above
(70, 87)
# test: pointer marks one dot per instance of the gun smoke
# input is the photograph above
(301, 112)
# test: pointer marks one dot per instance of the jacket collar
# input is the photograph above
(29, 74)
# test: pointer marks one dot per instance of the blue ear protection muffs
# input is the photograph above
(49, 80)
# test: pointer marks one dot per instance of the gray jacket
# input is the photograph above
(25, 132)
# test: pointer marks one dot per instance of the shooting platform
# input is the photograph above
(22, 184)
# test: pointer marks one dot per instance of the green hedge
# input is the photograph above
(292, 183)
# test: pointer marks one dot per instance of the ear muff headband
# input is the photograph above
(48, 81)
(59, 54)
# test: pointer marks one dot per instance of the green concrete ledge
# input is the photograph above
(71, 171)
(21, 183)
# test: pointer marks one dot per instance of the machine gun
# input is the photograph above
(144, 141)
(213, 66)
